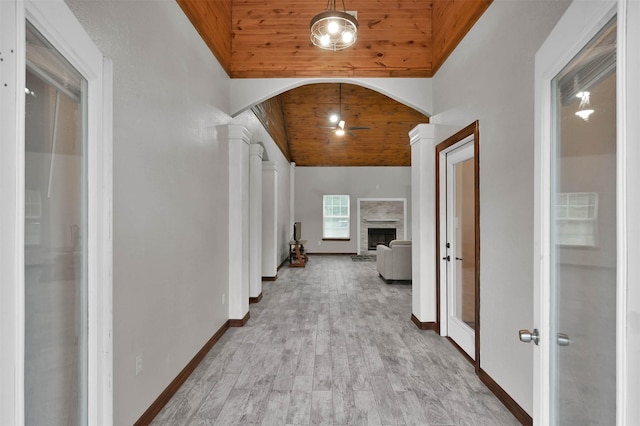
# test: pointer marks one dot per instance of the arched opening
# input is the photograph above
(370, 128)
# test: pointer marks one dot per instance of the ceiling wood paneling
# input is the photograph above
(452, 20)
(270, 38)
(212, 20)
(271, 115)
(386, 143)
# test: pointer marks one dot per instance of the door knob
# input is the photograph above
(527, 336)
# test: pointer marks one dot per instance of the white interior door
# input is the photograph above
(577, 281)
(459, 248)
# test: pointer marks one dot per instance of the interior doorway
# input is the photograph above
(458, 240)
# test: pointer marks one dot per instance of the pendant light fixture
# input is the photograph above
(334, 29)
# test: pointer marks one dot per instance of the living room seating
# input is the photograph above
(394, 262)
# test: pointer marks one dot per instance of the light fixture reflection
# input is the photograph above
(584, 114)
(584, 109)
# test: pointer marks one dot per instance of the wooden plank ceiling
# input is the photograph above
(298, 120)
(396, 38)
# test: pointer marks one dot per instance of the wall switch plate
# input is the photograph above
(224, 298)
(139, 363)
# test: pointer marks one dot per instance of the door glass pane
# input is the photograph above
(583, 276)
(465, 259)
(55, 238)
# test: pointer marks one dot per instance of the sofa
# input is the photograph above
(394, 262)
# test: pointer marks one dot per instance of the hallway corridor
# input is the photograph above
(333, 344)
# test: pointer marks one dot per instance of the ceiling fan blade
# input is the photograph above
(359, 128)
(325, 127)
(352, 135)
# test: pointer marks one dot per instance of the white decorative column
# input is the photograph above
(292, 195)
(234, 149)
(423, 217)
(269, 220)
(255, 222)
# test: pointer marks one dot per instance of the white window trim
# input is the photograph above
(324, 197)
(60, 26)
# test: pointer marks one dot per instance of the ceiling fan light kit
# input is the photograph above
(334, 29)
(339, 129)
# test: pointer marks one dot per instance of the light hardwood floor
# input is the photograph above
(333, 344)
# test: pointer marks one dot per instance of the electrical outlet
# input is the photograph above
(139, 363)
(224, 298)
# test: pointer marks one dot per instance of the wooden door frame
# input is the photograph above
(472, 129)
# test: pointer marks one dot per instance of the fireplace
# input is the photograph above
(380, 236)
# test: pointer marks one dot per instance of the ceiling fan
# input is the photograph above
(339, 129)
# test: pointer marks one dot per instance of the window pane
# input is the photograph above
(336, 216)
(336, 228)
(55, 252)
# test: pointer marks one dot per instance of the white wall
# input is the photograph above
(358, 182)
(169, 94)
(489, 77)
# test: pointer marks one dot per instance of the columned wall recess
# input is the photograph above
(423, 214)
(234, 149)
(256, 152)
(269, 220)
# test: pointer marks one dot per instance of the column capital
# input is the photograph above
(422, 132)
(235, 132)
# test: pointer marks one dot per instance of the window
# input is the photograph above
(335, 216)
(577, 213)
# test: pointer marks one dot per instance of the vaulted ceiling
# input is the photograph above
(396, 38)
(298, 120)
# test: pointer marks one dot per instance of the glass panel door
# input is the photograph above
(55, 238)
(460, 257)
(465, 255)
(583, 237)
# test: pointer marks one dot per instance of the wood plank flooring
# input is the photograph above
(332, 344)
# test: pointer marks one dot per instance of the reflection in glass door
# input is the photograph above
(583, 237)
(461, 267)
(465, 259)
(55, 238)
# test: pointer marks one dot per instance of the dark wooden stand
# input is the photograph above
(296, 249)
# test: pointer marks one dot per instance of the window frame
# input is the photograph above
(339, 216)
